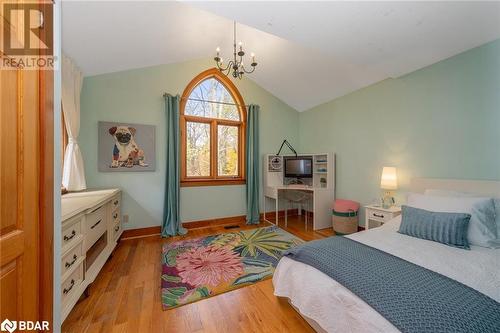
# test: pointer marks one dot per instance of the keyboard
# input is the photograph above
(298, 186)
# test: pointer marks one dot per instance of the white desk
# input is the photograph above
(322, 185)
(322, 203)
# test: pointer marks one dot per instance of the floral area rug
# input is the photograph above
(198, 268)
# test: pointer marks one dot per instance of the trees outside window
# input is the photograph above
(212, 124)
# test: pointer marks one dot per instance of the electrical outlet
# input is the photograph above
(125, 219)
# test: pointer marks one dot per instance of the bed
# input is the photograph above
(330, 307)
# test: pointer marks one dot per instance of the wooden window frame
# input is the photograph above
(213, 179)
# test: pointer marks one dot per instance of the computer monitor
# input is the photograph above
(298, 167)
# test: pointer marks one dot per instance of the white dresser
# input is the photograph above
(91, 227)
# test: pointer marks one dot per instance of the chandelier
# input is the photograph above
(235, 66)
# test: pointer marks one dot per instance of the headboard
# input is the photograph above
(490, 188)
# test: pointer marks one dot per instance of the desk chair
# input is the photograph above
(303, 198)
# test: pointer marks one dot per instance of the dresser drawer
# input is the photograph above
(72, 283)
(378, 215)
(71, 259)
(117, 229)
(116, 203)
(115, 216)
(71, 232)
(95, 226)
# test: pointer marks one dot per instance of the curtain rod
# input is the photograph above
(203, 100)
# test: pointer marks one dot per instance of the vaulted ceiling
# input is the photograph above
(308, 52)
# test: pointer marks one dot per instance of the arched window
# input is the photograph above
(212, 123)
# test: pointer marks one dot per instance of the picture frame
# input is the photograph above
(126, 147)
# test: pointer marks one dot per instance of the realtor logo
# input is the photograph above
(27, 39)
(8, 325)
(29, 31)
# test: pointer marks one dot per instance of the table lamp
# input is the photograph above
(388, 182)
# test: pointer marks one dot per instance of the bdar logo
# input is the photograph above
(24, 325)
(8, 325)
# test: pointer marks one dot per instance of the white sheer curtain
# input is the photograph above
(73, 177)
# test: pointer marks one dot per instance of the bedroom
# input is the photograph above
(343, 176)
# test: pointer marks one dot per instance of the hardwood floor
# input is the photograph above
(126, 297)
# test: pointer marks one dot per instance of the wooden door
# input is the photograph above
(26, 195)
(19, 194)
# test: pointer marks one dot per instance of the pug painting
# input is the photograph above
(126, 147)
(126, 152)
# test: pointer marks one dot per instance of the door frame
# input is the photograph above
(46, 199)
(46, 186)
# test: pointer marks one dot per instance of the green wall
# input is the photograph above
(441, 121)
(135, 96)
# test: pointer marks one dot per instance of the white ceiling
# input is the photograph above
(308, 52)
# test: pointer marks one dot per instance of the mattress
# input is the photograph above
(336, 309)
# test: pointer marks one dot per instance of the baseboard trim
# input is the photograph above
(281, 213)
(214, 222)
(156, 230)
(232, 220)
(141, 232)
(241, 219)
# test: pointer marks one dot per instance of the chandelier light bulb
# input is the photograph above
(252, 55)
(217, 49)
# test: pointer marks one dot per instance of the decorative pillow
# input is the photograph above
(446, 193)
(482, 227)
(447, 228)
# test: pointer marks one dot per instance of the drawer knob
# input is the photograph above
(95, 225)
(65, 291)
(67, 238)
(378, 215)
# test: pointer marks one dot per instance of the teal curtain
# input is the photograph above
(171, 225)
(252, 165)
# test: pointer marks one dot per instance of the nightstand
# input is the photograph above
(379, 214)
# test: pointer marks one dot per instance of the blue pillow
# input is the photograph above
(447, 228)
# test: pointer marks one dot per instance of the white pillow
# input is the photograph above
(447, 193)
(482, 229)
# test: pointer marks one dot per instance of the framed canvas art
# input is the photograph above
(126, 147)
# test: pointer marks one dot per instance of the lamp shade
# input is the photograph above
(389, 180)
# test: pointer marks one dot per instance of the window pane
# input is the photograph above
(197, 149)
(227, 143)
(206, 98)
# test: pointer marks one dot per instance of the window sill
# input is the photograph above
(209, 182)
